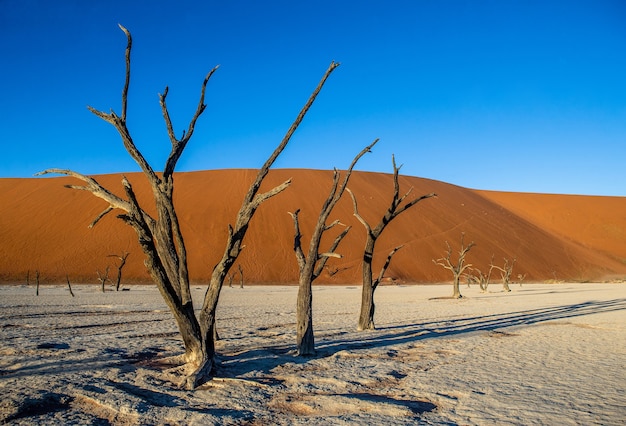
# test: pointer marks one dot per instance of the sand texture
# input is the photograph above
(44, 227)
(541, 354)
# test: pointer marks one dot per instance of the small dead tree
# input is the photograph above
(69, 286)
(476, 276)
(481, 278)
(312, 263)
(520, 278)
(37, 282)
(103, 277)
(458, 267)
(240, 276)
(505, 272)
(159, 233)
(396, 207)
(122, 258)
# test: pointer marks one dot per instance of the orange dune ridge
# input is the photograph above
(44, 227)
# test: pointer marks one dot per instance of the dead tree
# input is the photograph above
(160, 236)
(505, 273)
(312, 263)
(37, 282)
(366, 317)
(240, 276)
(69, 286)
(480, 278)
(122, 257)
(457, 268)
(103, 278)
(520, 278)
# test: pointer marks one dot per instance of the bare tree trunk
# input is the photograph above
(312, 264)
(366, 316)
(241, 276)
(37, 282)
(160, 237)
(456, 291)
(305, 339)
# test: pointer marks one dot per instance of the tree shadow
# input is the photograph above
(416, 407)
(264, 360)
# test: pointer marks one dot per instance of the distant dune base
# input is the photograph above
(44, 228)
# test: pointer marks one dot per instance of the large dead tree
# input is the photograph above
(458, 267)
(160, 235)
(312, 263)
(396, 207)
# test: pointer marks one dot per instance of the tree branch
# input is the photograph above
(297, 240)
(323, 258)
(92, 186)
(100, 216)
(272, 158)
(385, 266)
(356, 214)
(129, 46)
(179, 145)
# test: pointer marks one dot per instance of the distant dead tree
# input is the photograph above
(122, 257)
(458, 267)
(240, 276)
(505, 272)
(69, 286)
(103, 277)
(366, 316)
(312, 263)
(521, 278)
(159, 233)
(480, 278)
(36, 281)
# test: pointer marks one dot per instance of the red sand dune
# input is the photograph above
(44, 227)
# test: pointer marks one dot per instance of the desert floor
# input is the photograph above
(541, 354)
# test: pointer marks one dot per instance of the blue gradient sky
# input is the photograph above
(523, 96)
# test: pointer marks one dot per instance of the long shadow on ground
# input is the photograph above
(265, 359)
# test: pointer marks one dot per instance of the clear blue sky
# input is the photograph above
(523, 96)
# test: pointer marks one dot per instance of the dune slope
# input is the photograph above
(44, 227)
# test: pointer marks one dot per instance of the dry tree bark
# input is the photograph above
(366, 316)
(311, 264)
(160, 236)
(457, 268)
